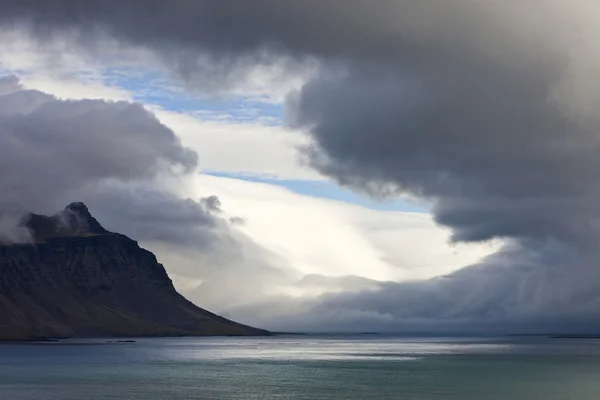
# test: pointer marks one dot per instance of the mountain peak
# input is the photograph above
(74, 220)
(78, 207)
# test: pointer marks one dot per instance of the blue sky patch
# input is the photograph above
(154, 88)
(330, 190)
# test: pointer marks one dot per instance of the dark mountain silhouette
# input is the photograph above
(78, 279)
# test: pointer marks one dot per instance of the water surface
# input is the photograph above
(304, 367)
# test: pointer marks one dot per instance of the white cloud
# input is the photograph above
(332, 238)
(241, 148)
(70, 87)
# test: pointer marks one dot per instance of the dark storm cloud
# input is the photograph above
(518, 290)
(49, 147)
(502, 147)
(53, 152)
(489, 148)
(237, 28)
(486, 109)
(535, 290)
(449, 101)
(213, 43)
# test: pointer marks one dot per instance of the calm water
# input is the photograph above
(311, 368)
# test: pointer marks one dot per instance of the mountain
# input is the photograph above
(78, 279)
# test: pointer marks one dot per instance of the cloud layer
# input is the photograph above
(488, 110)
(114, 156)
(50, 147)
(472, 104)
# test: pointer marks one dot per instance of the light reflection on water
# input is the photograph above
(304, 368)
(355, 347)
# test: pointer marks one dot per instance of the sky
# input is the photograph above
(382, 166)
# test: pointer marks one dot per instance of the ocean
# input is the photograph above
(304, 367)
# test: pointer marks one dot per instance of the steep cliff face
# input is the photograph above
(77, 279)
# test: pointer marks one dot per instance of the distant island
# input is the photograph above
(76, 279)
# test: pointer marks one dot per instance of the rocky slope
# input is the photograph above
(78, 279)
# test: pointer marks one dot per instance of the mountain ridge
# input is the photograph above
(77, 279)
